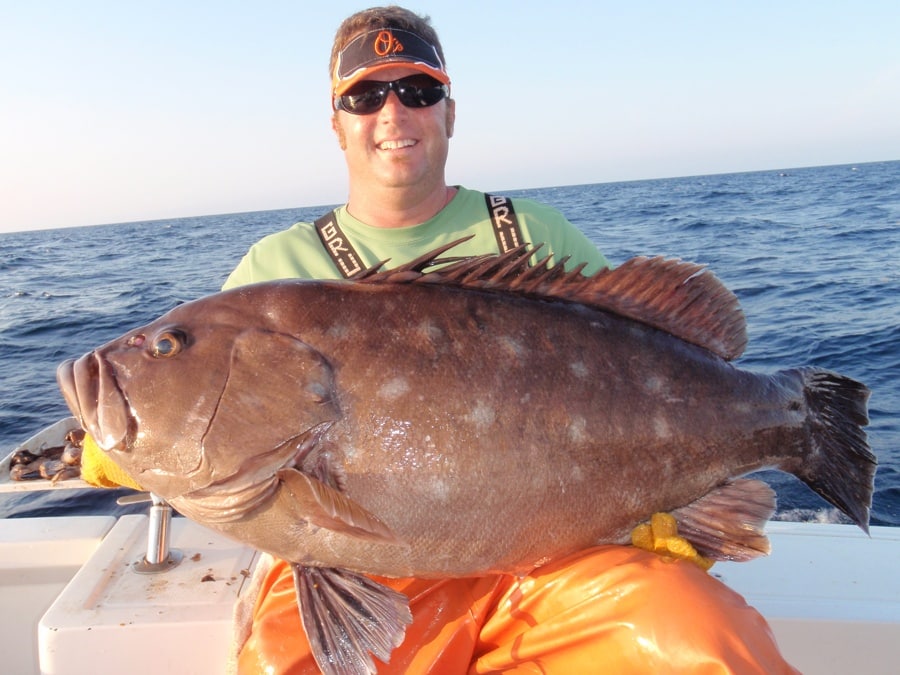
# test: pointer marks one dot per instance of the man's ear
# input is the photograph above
(451, 116)
(338, 130)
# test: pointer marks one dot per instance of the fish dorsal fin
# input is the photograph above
(674, 296)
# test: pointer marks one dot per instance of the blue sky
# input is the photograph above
(124, 111)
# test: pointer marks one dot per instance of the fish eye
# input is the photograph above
(167, 344)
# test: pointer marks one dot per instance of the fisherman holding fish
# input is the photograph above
(608, 608)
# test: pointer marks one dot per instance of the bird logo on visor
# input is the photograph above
(386, 44)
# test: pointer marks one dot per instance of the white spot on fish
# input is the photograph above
(579, 369)
(394, 389)
(577, 430)
(429, 331)
(511, 347)
(482, 415)
(439, 488)
(338, 331)
(318, 390)
(351, 451)
(653, 384)
(661, 428)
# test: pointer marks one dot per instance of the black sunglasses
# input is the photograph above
(368, 96)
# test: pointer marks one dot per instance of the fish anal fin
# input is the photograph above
(348, 618)
(728, 523)
(326, 507)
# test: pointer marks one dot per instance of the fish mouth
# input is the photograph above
(93, 395)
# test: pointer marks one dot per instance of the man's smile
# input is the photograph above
(397, 144)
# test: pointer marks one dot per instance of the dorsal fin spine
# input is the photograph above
(677, 297)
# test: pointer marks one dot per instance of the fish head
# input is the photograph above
(215, 392)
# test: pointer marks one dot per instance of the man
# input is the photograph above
(610, 609)
(399, 205)
(607, 609)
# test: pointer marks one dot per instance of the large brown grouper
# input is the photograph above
(485, 417)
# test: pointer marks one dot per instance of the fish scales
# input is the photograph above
(458, 433)
(485, 417)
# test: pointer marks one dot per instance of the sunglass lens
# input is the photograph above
(365, 98)
(415, 91)
(420, 94)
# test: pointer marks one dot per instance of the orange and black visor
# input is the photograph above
(376, 50)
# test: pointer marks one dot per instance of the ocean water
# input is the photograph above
(812, 253)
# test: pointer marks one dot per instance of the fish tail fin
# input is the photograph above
(836, 461)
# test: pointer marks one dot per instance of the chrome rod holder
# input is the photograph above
(159, 557)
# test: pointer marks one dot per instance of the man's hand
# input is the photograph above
(98, 469)
(661, 536)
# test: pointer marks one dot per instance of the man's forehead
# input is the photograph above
(390, 73)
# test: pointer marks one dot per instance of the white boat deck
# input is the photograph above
(81, 608)
(830, 593)
(38, 557)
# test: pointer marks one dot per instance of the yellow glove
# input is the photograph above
(98, 469)
(660, 536)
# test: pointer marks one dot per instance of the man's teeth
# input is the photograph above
(394, 145)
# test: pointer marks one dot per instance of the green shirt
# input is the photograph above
(299, 253)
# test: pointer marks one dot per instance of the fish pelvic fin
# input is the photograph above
(728, 523)
(326, 507)
(678, 297)
(348, 618)
(835, 460)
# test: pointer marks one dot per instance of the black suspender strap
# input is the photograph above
(338, 246)
(505, 223)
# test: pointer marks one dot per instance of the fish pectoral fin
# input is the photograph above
(728, 523)
(323, 506)
(347, 617)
